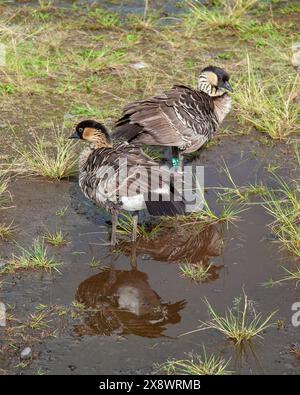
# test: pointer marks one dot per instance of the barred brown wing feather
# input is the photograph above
(101, 173)
(176, 118)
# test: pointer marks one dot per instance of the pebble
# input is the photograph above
(296, 55)
(146, 257)
(138, 65)
(26, 353)
(2, 265)
(296, 59)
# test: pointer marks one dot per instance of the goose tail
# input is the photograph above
(171, 207)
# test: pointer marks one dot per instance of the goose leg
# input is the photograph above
(180, 161)
(133, 261)
(114, 221)
(175, 157)
(135, 217)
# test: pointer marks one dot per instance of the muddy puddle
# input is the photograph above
(136, 303)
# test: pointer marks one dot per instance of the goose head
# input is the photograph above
(214, 81)
(94, 132)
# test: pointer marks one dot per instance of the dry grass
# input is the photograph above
(239, 323)
(199, 365)
(198, 273)
(54, 160)
(269, 105)
(44, 322)
(295, 350)
(226, 14)
(89, 69)
(35, 258)
(7, 231)
(290, 275)
(56, 239)
(283, 204)
(5, 196)
(125, 224)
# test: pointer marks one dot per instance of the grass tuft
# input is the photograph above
(283, 204)
(55, 160)
(125, 227)
(6, 231)
(239, 324)
(36, 258)
(198, 273)
(56, 239)
(226, 14)
(295, 350)
(105, 18)
(61, 212)
(290, 275)
(197, 365)
(229, 214)
(269, 105)
(5, 196)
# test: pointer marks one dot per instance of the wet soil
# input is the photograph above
(130, 6)
(133, 316)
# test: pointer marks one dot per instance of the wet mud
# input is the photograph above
(136, 304)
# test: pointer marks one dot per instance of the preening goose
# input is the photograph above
(120, 176)
(182, 118)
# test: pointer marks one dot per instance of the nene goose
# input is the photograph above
(182, 118)
(116, 176)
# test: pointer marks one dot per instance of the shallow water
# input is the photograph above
(124, 7)
(136, 313)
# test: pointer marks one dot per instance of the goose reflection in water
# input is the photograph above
(178, 243)
(122, 302)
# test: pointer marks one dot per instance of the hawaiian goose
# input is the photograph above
(183, 118)
(115, 176)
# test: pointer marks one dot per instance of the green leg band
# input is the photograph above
(175, 162)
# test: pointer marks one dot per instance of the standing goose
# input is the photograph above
(182, 118)
(119, 176)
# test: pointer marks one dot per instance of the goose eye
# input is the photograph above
(80, 130)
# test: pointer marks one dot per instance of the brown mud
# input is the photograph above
(133, 316)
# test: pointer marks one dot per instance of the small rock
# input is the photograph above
(270, 237)
(138, 65)
(26, 353)
(296, 55)
(296, 59)
(146, 257)
(2, 265)
(68, 116)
